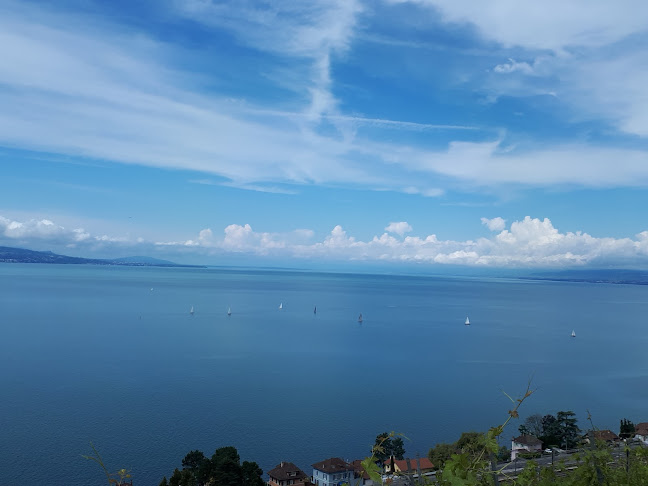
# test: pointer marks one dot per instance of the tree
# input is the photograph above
(504, 454)
(164, 482)
(398, 448)
(568, 431)
(176, 477)
(550, 433)
(226, 467)
(193, 460)
(252, 474)
(626, 429)
(382, 447)
(532, 426)
(440, 453)
(385, 447)
(470, 442)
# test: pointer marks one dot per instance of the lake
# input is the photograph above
(111, 355)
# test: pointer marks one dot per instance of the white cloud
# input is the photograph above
(399, 228)
(530, 242)
(552, 24)
(494, 224)
(513, 66)
(597, 65)
(76, 88)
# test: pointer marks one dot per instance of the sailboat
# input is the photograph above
(573, 333)
(191, 311)
(315, 310)
(281, 306)
(229, 311)
(467, 323)
(360, 318)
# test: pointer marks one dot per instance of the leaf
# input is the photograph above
(372, 470)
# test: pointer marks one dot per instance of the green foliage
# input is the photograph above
(223, 469)
(440, 453)
(193, 460)
(529, 455)
(252, 474)
(503, 454)
(472, 465)
(398, 448)
(561, 430)
(532, 426)
(164, 482)
(626, 429)
(387, 445)
(372, 469)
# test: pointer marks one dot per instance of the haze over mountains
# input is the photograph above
(21, 255)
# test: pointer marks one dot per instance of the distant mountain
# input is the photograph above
(21, 255)
(616, 276)
(143, 260)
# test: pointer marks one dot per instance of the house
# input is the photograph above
(287, 474)
(360, 476)
(606, 436)
(332, 472)
(641, 431)
(525, 443)
(409, 465)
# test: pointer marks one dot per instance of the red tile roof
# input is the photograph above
(287, 470)
(332, 465)
(425, 464)
(641, 428)
(605, 435)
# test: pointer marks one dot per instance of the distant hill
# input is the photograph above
(616, 276)
(143, 260)
(22, 255)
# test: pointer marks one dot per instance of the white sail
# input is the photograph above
(360, 318)
(467, 321)
(573, 333)
(229, 311)
(191, 311)
(281, 306)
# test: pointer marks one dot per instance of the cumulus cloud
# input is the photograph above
(529, 242)
(495, 224)
(399, 228)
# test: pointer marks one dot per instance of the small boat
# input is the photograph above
(229, 311)
(191, 311)
(360, 318)
(573, 333)
(467, 323)
(281, 306)
(315, 310)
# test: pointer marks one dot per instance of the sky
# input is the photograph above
(500, 134)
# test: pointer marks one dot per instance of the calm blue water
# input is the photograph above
(92, 354)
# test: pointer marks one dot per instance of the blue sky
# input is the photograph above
(505, 134)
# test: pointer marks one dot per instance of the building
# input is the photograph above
(641, 431)
(332, 472)
(606, 436)
(409, 466)
(287, 474)
(525, 443)
(360, 476)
